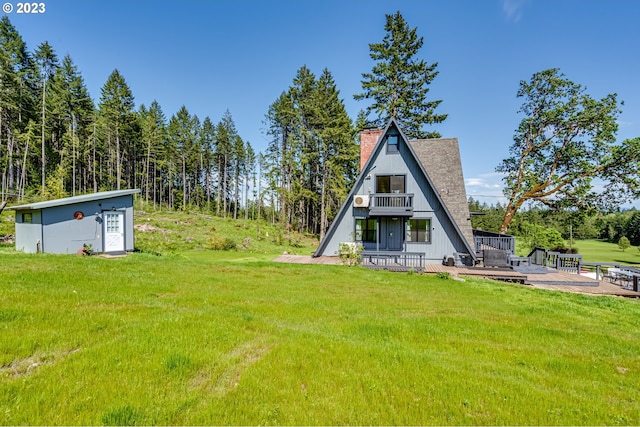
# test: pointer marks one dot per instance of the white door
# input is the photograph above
(113, 231)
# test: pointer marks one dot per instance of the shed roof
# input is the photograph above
(74, 200)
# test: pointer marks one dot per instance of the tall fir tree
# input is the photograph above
(117, 117)
(72, 115)
(399, 81)
(47, 62)
(17, 103)
(153, 133)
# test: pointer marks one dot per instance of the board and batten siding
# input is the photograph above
(444, 238)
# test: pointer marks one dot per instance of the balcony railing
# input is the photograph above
(400, 204)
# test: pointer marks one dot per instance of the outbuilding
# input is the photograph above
(101, 222)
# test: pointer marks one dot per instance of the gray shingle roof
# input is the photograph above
(440, 158)
(73, 200)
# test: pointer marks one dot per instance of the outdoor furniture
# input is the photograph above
(515, 261)
(620, 277)
(495, 258)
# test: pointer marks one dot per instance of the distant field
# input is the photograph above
(598, 251)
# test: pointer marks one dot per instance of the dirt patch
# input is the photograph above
(146, 227)
(25, 366)
(7, 239)
(240, 359)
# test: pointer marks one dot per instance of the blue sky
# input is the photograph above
(240, 55)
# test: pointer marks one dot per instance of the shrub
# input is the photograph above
(217, 243)
(350, 253)
(624, 243)
(443, 275)
(534, 235)
(564, 250)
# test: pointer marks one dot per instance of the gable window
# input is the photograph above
(418, 230)
(390, 184)
(366, 230)
(392, 144)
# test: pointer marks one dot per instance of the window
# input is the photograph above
(392, 144)
(113, 223)
(390, 184)
(27, 218)
(419, 230)
(366, 230)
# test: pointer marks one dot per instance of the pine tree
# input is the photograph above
(399, 82)
(47, 63)
(72, 116)
(17, 103)
(207, 144)
(182, 133)
(153, 132)
(116, 111)
(225, 137)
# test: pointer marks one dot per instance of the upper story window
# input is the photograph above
(27, 218)
(390, 184)
(392, 143)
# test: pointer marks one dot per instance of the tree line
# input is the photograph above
(556, 226)
(55, 141)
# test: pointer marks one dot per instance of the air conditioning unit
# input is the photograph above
(361, 201)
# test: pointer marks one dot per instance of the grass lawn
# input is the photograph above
(218, 338)
(599, 251)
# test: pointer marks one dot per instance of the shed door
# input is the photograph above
(114, 231)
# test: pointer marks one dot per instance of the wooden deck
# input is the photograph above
(554, 280)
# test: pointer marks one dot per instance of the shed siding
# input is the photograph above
(59, 232)
(28, 235)
(64, 234)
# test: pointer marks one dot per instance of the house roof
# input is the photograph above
(74, 200)
(440, 158)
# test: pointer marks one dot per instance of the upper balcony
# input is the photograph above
(391, 204)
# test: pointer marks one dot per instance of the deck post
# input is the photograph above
(635, 283)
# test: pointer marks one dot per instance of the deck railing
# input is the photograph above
(489, 240)
(391, 200)
(394, 260)
(562, 262)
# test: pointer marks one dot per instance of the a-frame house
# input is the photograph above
(408, 206)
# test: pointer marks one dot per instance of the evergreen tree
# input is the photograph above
(17, 104)
(182, 133)
(225, 138)
(207, 144)
(312, 157)
(47, 63)
(116, 113)
(72, 113)
(399, 82)
(153, 133)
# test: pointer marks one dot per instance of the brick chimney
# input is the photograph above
(368, 139)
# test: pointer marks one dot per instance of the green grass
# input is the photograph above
(170, 232)
(218, 338)
(178, 333)
(599, 251)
